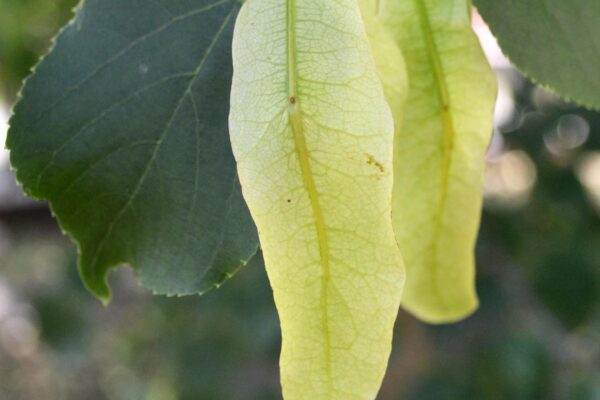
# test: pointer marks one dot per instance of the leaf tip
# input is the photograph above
(98, 287)
(438, 313)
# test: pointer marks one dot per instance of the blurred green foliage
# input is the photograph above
(536, 335)
(25, 27)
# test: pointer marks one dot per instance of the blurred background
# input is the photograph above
(536, 335)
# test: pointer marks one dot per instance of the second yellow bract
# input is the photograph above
(313, 138)
(441, 147)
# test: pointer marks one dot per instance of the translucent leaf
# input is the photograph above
(440, 153)
(389, 61)
(313, 137)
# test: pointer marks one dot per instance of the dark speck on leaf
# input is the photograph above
(372, 161)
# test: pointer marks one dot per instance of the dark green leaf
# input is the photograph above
(123, 128)
(554, 42)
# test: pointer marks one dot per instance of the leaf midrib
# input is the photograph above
(447, 136)
(295, 117)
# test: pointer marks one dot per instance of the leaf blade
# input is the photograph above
(132, 150)
(555, 43)
(313, 138)
(440, 154)
(391, 67)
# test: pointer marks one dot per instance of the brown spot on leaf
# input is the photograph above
(292, 100)
(372, 161)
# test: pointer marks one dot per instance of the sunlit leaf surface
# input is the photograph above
(313, 137)
(440, 153)
(391, 67)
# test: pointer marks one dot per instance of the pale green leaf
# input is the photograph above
(440, 153)
(313, 137)
(123, 128)
(389, 61)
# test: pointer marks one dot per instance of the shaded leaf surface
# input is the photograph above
(554, 42)
(313, 137)
(440, 153)
(389, 60)
(123, 128)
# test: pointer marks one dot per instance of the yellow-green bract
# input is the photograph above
(389, 61)
(440, 156)
(313, 137)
